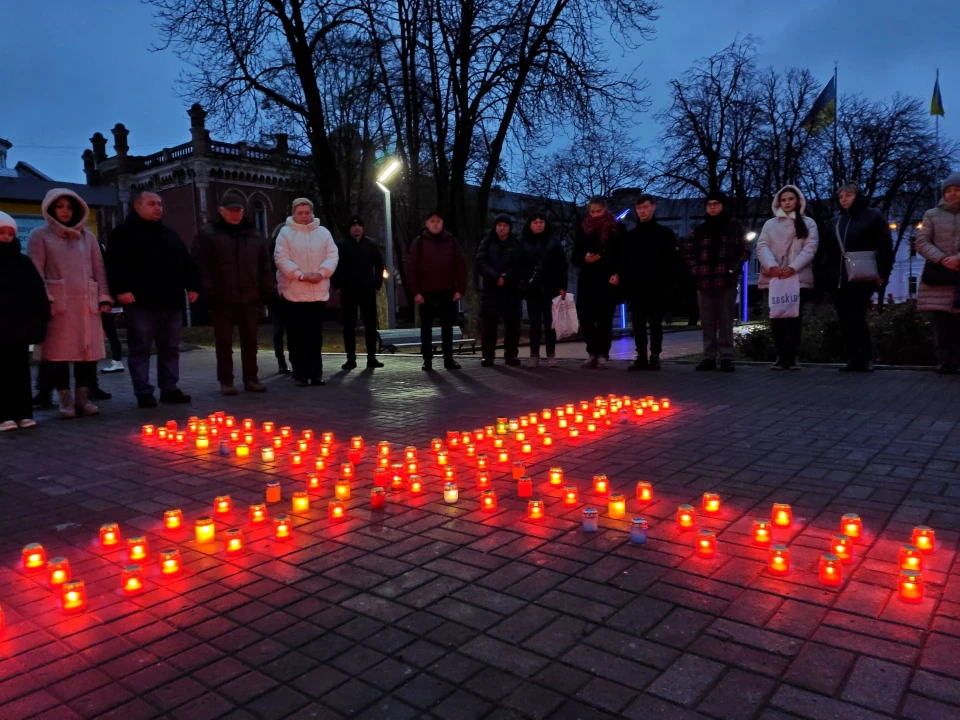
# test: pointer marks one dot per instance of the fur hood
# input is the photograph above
(777, 211)
(294, 225)
(80, 213)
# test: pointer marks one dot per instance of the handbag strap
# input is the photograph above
(841, 241)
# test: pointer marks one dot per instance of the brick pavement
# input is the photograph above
(438, 611)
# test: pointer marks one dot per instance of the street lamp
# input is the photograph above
(751, 236)
(389, 270)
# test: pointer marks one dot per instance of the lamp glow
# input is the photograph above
(525, 487)
(910, 558)
(222, 505)
(556, 476)
(342, 489)
(601, 486)
(911, 586)
(762, 532)
(569, 495)
(842, 547)
(488, 501)
(852, 526)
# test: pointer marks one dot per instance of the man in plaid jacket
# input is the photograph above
(714, 253)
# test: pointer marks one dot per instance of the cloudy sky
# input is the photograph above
(71, 68)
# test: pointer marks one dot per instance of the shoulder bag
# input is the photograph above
(861, 265)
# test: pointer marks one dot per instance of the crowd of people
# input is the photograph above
(62, 296)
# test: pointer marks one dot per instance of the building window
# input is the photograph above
(260, 216)
(912, 286)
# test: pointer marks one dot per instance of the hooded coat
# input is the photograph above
(939, 237)
(302, 250)
(862, 228)
(69, 261)
(779, 246)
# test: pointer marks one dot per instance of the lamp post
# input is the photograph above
(751, 236)
(391, 168)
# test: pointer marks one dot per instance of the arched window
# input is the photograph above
(260, 216)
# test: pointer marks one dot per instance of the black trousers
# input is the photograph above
(244, 318)
(305, 333)
(852, 303)
(364, 301)
(946, 326)
(540, 310)
(647, 309)
(787, 333)
(110, 330)
(493, 308)
(596, 324)
(439, 305)
(84, 374)
(15, 400)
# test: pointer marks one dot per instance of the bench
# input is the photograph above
(393, 340)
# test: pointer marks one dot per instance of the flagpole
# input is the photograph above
(836, 122)
(936, 146)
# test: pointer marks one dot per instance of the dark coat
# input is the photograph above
(650, 259)
(496, 258)
(435, 263)
(594, 282)
(360, 268)
(149, 259)
(862, 228)
(24, 307)
(546, 264)
(720, 268)
(233, 262)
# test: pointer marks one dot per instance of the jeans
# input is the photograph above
(540, 310)
(144, 328)
(492, 308)
(110, 330)
(364, 301)
(15, 401)
(305, 332)
(716, 319)
(596, 325)
(852, 302)
(786, 335)
(437, 305)
(946, 325)
(245, 318)
(643, 310)
(84, 374)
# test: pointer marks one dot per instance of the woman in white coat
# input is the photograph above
(306, 257)
(786, 247)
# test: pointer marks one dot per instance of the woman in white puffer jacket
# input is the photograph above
(786, 247)
(306, 257)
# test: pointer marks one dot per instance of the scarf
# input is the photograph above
(602, 225)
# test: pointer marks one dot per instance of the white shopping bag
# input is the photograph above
(565, 320)
(785, 297)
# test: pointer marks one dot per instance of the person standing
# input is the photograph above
(500, 265)
(234, 264)
(546, 272)
(359, 277)
(938, 242)
(650, 257)
(437, 278)
(110, 330)
(150, 269)
(597, 252)
(715, 252)
(306, 258)
(68, 259)
(856, 228)
(275, 306)
(24, 314)
(786, 247)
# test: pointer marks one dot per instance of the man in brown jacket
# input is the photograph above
(437, 277)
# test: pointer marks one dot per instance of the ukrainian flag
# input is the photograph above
(936, 103)
(824, 111)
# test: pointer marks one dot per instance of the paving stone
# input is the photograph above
(686, 681)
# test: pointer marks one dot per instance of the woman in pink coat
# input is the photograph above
(68, 259)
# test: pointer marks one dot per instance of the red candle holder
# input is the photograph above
(383, 448)
(546, 414)
(356, 443)
(109, 534)
(638, 410)
(524, 487)
(326, 438)
(381, 478)
(706, 544)
(644, 491)
(170, 561)
(378, 498)
(911, 586)
(489, 431)
(222, 505)
(711, 503)
(535, 510)
(258, 513)
(779, 563)
(483, 479)
(383, 461)
(300, 501)
(449, 474)
(313, 481)
(137, 550)
(470, 449)
(665, 403)
(925, 538)
(397, 481)
(782, 515)
(762, 532)
(546, 439)
(171, 426)
(573, 432)
(346, 470)
(910, 558)
(412, 467)
(478, 435)
(482, 462)
(204, 530)
(488, 500)
(173, 519)
(229, 421)
(274, 493)
(148, 430)
(416, 485)
(616, 507)
(842, 547)
(58, 571)
(601, 486)
(234, 541)
(852, 526)
(303, 446)
(342, 489)
(831, 570)
(307, 435)
(453, 439)
(519, 469)
(247, 424)
(503, 456)
(325, 450)
(34, 557)
(555, 476)
(569, 495)
(337, 511)
(282, 529)
(442, 458)
(268, 428)
(296, 459)
(73, 596)
(277, 442)
(686, 517)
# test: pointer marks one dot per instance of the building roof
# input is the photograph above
(33, 189)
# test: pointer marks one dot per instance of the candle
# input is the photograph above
(73, 596)
(354, 455)
(397, 481)
(782, 514)
(313, 481)
(342, 489)
(562, 423)
(574, 431)
(234, 543)
(519, 469)
(555, 476)
(442, 458)
(479, 434)
(524, 421)
(655, 407)
(513, 424)
(644, 491)
(532, 418)
(258, 513)
(520, 436)
(131, 580)
(547, 439)
(526, 447)
(843, 548)
(535, 510)
(569, 495)
(831, 570)
(267, 454)
(285, 431)
(214, 431)
(591, 521)
(58, 571)
(109, 534)
(616, 507)
(762, 532)
(638, 410)
(600, 484)
(137, 550)
(171, 426)
(525, 487)
(383, 448)
(412, 467)
(638, 531)
(248, 438)
(383, 461)
(381, 478)
(925, 538)
(162, 433)
(181, 436)
(591, 427)
(277, 442)
(229, 421)
(546, 414)
(300, 501)
(303, 445)
(686, 517)
(911, 586)
(910, 558)
(356, 443)
(268, 427)
(173, 519)
(498, 442)
(234, 435)
(711, 502)
(247, 424)
(852, 526)
(578, 418)
(488, 501)
(779, 560)
(569, 409)
(243, 451)
(346, 470)
(307, 435)
(471, 450)
(450, 493)
(416, 486)
(170, 561)
(449, 474)
(222, 505)
(482, 462)
(148, 430)
(325, 450)
(273, 491)
(204, 530)
(326, 438)
(503, 456)
(282, 530)
(706, 544)
(483, 479)
(296, 459)
(378, 498)
(453, 439)
(541, 429)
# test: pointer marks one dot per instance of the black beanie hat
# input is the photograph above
(433, 213)
(719, 196)
(503, 218)
(355, 220)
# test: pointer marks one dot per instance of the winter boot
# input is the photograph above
(67, 409)
(83, 405)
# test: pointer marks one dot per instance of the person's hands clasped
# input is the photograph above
(787, 272)
(591, 257)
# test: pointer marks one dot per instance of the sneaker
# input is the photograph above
(706, 364)
(374, 363)
(254, 386)
(175, 397)
(512, 362)
(591, 363)
(146, 401)
(350, 364)
(98, 394)
(654, 362)
(67, 409)
(552, 361)
(282, 367)
(486, 362)
(27, 423)
(726, 365)
(8, 425)
(639, 364)
(228, 390)
(452, 364)
(534, 362)
(115, 366)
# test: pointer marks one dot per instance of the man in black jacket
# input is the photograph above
(149, 269)
(650, 257)
(233, 261)
(359, 277)
(500, 264)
